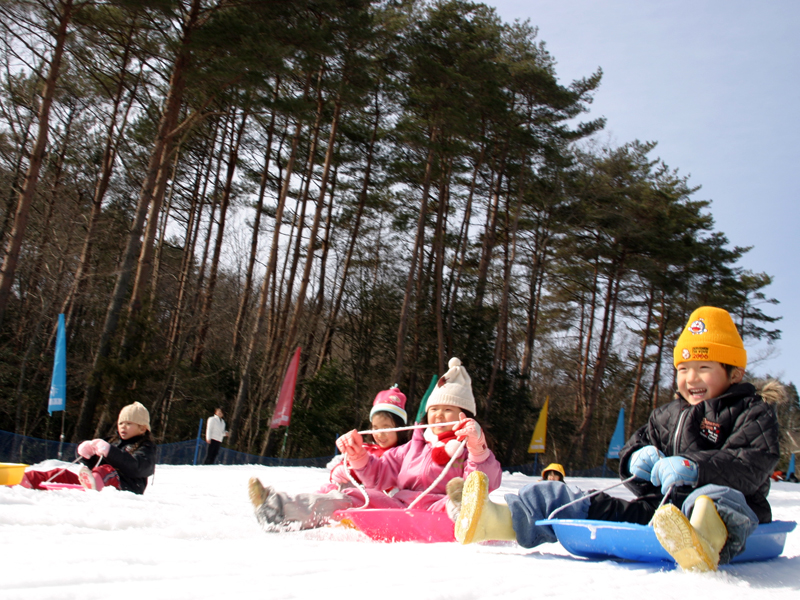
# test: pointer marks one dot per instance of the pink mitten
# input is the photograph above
(101, 447)
(352, 445)
(476, 440)
(338, 474)
(86, 449)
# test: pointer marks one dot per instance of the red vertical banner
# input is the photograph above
(283, 409)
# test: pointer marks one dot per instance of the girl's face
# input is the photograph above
(129, 430)
(384, 440)
(443, 413)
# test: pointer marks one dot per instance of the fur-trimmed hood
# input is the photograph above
(771, 391)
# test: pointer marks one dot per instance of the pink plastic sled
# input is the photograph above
(397, 525)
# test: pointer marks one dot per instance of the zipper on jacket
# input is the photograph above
(678, 431)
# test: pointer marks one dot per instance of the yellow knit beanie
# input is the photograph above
(135, 413)
(711, 334)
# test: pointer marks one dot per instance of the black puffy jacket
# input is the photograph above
(732, 438)
(134, 460)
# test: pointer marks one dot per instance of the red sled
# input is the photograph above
(399, 525)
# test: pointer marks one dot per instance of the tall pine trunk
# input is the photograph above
(419, 242)
(17, 235)
(166, 126)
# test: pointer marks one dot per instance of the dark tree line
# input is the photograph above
(201, 186)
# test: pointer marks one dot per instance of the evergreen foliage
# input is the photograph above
(385, 183)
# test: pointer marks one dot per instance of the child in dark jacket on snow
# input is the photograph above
(124, 463)
(710, 452)
(127, 461)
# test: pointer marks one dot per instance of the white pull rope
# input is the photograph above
(560, 508)
(441, 475)
(57, 473)
(362, 488)
(54, 475)
(663, 501)
(408, 428)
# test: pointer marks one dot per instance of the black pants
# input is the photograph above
(608, 508)
(213, 450)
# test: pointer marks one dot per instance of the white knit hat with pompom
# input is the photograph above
(454, 388)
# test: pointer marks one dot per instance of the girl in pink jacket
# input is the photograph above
(388, 412)
(406, 470)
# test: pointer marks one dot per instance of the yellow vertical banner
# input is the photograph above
(540, 431)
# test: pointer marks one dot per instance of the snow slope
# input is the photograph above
(193, 535)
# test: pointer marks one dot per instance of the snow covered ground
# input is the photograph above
(193, 535)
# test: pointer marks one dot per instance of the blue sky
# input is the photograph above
(717, 84)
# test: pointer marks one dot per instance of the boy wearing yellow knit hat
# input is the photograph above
(710, 452)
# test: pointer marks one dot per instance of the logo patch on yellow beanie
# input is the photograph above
(697, 327)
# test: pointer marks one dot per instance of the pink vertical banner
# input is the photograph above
(283, 409)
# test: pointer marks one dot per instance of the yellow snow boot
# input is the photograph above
(694, 544)
(481, 519)
(257, 492)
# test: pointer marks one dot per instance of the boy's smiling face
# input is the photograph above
(700, 380)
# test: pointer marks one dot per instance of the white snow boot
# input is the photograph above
(88, 479)
(455, 488)
(694, 543)
(480, 519)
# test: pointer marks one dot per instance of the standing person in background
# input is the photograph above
(215, 433)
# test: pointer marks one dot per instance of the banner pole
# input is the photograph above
(197, 442)
(61, 437)
(283, 447)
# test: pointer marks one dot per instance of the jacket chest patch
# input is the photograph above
(710, 430)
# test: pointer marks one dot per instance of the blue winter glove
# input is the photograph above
(642, 461)
(674, 470)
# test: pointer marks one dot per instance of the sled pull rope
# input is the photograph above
(56, 474)
(408, 428)
(363, 490)
(360, 486)
(594, 493)
(436, 481)
(663, 501)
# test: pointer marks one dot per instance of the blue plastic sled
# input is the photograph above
(629, 541)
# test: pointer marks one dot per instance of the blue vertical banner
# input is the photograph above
(58, 384)
(790, 470)
(618, 439)
(197, 442)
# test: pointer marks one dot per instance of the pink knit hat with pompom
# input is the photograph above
(391, 400)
